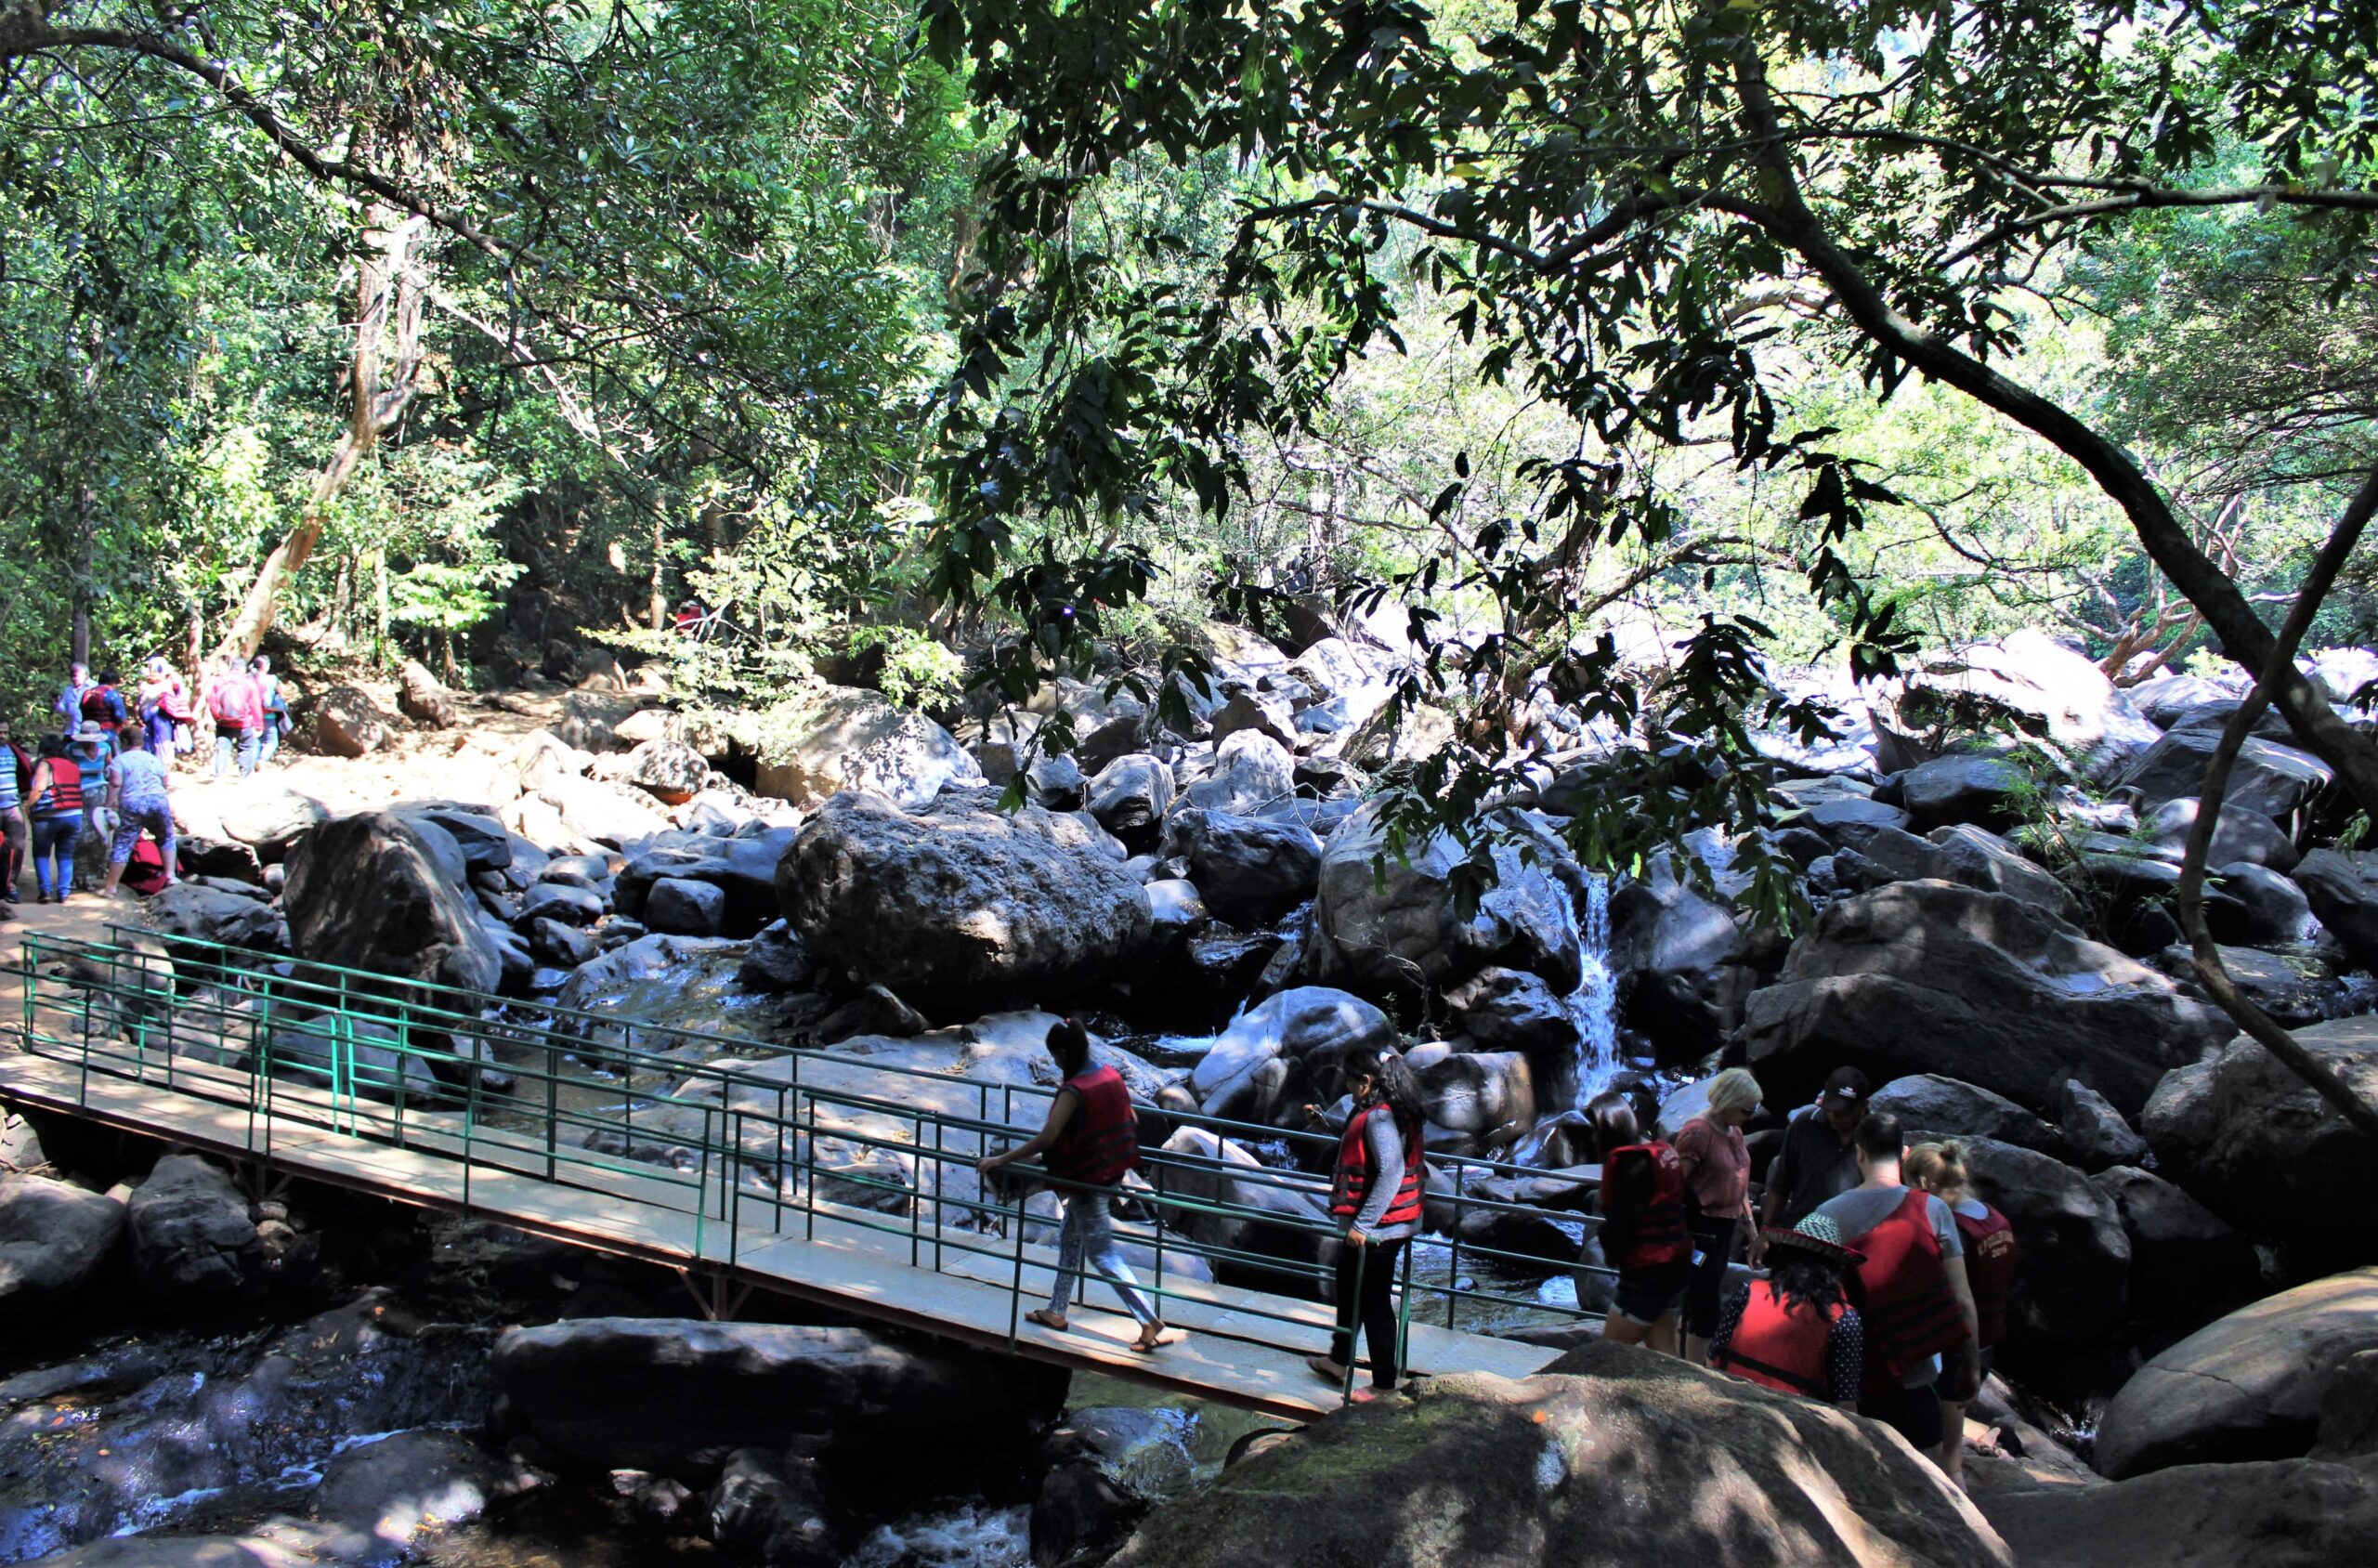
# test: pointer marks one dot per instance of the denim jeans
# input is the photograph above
(270, 741)
(54, 852)
(16, 843)
(234, 745)
(1086, 1237)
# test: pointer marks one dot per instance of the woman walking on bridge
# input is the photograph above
(1091, 1141)
(1378, 1193)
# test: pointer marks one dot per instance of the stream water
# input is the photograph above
(1593, 1006)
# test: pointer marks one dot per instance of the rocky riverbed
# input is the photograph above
(1991, 941)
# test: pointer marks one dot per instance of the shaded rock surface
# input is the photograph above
(2289, 1513)
(366, 892)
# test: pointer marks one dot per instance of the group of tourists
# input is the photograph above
(105, 774)
(1880, 1280)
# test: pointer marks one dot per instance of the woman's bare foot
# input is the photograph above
(1366, 1393)
(1047, 1319)
(1331, 1371)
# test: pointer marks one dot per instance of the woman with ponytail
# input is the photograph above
(1378, 1194)
(1990, 1257)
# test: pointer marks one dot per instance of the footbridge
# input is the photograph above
(744, 1165)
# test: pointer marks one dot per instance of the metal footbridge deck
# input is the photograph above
(742, 1164)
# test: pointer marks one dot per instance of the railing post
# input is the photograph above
(1354, 1329)
(1453, 1260)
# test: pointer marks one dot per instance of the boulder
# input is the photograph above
(2070, 1284)
(770, 1506)
(1262, 1216)
(2168, 699)
(1283, 1053)
(653, 1393)
(2186, 1261)
(364, 893)
(1610, 1459)
(589, 716)
(670, 770)
(1477, 1091)
(1250, 870)
(422, 697)
(406, 1485)
(2258, 906)
(192, 1240)
(1849, 821)
(563, 902)
(1394, 930)
(1960, 854)
(366, 1055)
(1511, 1010)
(2287, 1513)
(602, 812)
(565, 947)
(1252, 773)
(2249, 1385)
(1946, 1107)
(2297, 988)
(1964, 787)
(1935, 977)
(957, 908)
(2041, 687)
(1250, 711)
(845, 739)
(2268, 778)
(2342, 888)
(775, 962)
(683, 907)
(2242, 835)
(346, 723)
(2261, 1147)
(55, 1239)
(1056, 783)
(1130, 794)
(2349, 1410)
(478, 835)
(205, 914)
(268, 818)
(2095, 1136)
(650, 723)
(743, 868)
(1386, 738)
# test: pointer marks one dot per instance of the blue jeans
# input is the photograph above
(54, 852)
(1086, 1237)
(161, 735)
(232, 745)
(271, 742)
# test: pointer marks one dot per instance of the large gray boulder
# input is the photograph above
(844, 738)
(208, 914)
(2342, 887)
(1934, 977)
(268, 818)
(2071, 1285)
(1611, 1459)
(957, 908)
(2039, 687)
(192, 1239)
(366, 893)
(1130, 794)
(2270, 779)
(1283, 1053)
(2285, 1513)
(1963, 787)
(406, 1485)
(651, 1393)
(55, 1238)
(2247, 1387)
(1960, 854)
(2240, 836)
(1250, 870)
(1394, 929)
(1935, 1106)
(1252, 773)
(2187, 1263)
(2263, 1149)
(742, 866)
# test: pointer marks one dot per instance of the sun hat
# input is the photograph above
(91, 732)
(1820, 1234)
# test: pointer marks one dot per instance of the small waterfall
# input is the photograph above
(1593, 1006)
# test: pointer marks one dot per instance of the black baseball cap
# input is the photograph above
(1847, 1083)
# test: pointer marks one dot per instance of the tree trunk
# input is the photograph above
(388, 301)
(659, 561)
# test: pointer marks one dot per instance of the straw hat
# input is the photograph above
(91, 734)
(1817, 1234)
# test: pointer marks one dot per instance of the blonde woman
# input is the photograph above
(1717, 1177)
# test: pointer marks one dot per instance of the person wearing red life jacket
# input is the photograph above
(1378, 1194)
(53, 801)
(1090, 1141)
(1911, 1288)
(1796, 1330)
(1991, 1259)
(1644, 1236)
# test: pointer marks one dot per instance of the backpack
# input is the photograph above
(228, 699)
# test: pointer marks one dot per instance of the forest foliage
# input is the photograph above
(896, 334)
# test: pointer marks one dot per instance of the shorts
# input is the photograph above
(1714, 1240)
(1913, 1413)
(1647, 1295)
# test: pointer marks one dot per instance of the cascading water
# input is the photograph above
(1593, 1006)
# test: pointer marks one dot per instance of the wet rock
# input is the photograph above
(55, 1240)
(851, 739)
(565, 947)
(205, 914)
(1304, 1030)
(1250, 870)
(2072, 1282)
(2260, 905)
(771, 1507)
(2096, 1135)
(2268, 778)
(193, 1241)
(405, 1486)
(2186, 1261)
(366, 1054)
(2289, 1513)
(2262, 1148)
(651, 1392)
(776, 962)
(1963, 789)
(1511, 1009)
(2247, 1387)
(1609, 1456)
(669, 770)
(1931, 977)
(365, 892)
(1946, 1107)
(959, 907)
(1477, 1091)
(685, 908)
(2241, 836)
(2342, 887)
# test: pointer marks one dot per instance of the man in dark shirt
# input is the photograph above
(1819, 1159)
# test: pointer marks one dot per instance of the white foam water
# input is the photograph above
(968, 1536)
(1593, 1006)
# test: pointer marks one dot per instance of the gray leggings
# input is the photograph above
(1089, 1235)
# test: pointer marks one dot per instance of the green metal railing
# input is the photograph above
(581, 1100)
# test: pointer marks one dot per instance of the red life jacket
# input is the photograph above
(1655, 1234)
(65, 791)
(227, 697)
(102, 706)
(1990, 1269)
(1781, 1347)
(1352, 1187)
(1911, 1313)
(1101, 1140)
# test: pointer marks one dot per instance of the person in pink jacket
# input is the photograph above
(238, 708)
